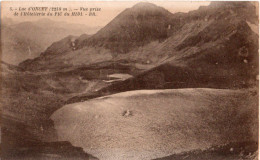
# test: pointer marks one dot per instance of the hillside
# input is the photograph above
(19, 44)
(27, 102)
(17, 47)
(121, 35)
(206, 50)
(219, 36)
(137, 26)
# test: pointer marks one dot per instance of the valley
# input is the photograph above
(151, 84)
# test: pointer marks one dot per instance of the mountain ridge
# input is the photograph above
(214, 36)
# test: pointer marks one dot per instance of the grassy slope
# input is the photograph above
(28, 100)
(25, 118)
(160, 123)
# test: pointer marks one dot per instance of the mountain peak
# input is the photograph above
(144, 4)
(147, 8)
(133, 27)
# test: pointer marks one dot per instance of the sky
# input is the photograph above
(109, 10)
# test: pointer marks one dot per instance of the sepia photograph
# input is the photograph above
(129, 80)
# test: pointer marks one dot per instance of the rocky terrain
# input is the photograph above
(214, 47)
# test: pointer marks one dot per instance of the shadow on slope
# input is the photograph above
(232, 151)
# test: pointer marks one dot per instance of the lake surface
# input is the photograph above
(159, 123)
(118, 77)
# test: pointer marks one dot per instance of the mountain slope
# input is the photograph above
(213, 46)
(19, 44)
(17, 47)
(143, 23)
(132, 28)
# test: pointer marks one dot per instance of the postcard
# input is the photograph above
(129, 80)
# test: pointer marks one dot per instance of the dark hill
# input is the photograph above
(137, 26)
